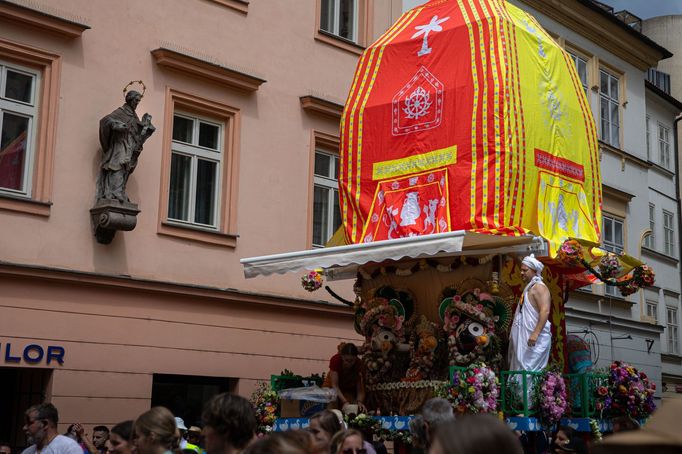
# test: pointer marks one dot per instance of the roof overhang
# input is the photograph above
(342, 262)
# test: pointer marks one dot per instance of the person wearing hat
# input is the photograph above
(185, 446)
(194, 435)
(530, 338)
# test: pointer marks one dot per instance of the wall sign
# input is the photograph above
(32, 354)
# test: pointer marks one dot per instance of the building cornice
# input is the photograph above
(316, 104)
(604, 29)
(603, 320)
(44, 20)
(226, 295)
(199, 67)
(663, 95)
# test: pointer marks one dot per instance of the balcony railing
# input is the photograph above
(659, 79)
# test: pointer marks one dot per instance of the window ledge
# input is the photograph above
(338, 41)
(198, 234)
(624, 154)
(660, 255)
(239, 5)
(22, 205)
(213, 71)
(314, 104)
(667, 172)
(43, 20)
(617, 300)
(671, 358)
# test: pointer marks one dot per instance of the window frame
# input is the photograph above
(651, 307)
(648, 137)
(36, 199)
(618, 102)
(650, 240)
(672, 330)
(224, 231)
(664, 155)
(609, 290)
(328, 144)
(668, 233)
(330, 184)
(195, 152)
(30, 110)
(363, 28)
(575, 54)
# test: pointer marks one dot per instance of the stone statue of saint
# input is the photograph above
(121, 135)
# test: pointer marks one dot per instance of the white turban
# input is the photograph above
(533, 263)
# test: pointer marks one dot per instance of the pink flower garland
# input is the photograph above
(550, 397)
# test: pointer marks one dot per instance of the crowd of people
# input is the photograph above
(229, 427)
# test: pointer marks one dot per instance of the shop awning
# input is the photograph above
(342, 262)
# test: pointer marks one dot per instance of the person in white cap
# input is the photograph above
(530, 338)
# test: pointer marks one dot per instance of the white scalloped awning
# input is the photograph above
(342, 262)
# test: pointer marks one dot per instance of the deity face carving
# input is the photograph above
(470, 334)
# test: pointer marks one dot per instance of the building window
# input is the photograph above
(609, 108)
(185, 395)
(648, 137)
(196, 159)
(672, 325)
(664, 146)
(650, 240)
(326, 212)
(581, 67)
(340, 18)
(612, 236)
(668, 233)
(651, 310)
(199, 172)
(18, 116)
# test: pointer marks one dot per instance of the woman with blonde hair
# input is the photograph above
(155, 432)
(348, 442)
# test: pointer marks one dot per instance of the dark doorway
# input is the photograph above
(19, 389)
(185, 395)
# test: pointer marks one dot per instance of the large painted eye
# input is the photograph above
(476, 329)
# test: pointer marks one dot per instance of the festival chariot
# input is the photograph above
(467, 143)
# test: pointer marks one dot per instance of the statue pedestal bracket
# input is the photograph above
(108, 216)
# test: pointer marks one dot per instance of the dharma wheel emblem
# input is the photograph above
(418, 104)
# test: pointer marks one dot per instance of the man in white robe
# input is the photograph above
(531, 335)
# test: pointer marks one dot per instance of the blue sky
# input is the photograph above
(647, 8)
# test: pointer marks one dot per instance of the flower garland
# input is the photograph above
(364, 421)
(266, 403)
(384, 315)
(630, 393)
(594, 428)
(570, 252)
(392, 386)
(311, 281)
(609, 266)
(425, 264)
(473, 390)
(550, 397)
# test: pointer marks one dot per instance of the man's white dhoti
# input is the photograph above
(521, 356)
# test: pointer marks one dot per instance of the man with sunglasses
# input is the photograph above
(41, 432)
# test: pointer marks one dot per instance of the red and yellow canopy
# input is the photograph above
(467, 115)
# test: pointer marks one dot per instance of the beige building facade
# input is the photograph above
(246, 99)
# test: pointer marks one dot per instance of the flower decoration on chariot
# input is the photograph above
(483, 308)
(388, 310)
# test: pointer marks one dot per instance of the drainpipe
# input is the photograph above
(677, 190)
